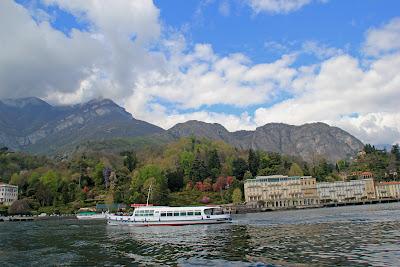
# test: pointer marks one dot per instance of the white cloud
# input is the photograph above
(177, 82)
(321, 51)
(42, 61)
(340, 88)
(202, 78)
(277, 6)
(384, 39)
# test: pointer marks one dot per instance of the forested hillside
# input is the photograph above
(190, 171)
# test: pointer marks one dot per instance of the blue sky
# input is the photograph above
(241, 63)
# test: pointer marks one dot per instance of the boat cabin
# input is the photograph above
(176, 212)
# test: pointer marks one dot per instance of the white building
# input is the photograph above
(346, 191)
(388, 189)
(278, 191)
(8, 194)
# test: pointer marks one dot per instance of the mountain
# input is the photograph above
(32, 124)
(308, 141)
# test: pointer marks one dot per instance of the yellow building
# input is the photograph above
(346, 191)
(388, 189)
(278, 191)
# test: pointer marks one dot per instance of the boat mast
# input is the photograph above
(148, 195)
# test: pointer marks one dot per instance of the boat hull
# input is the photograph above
(167, 223)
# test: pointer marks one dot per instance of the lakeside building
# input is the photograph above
(388, 189)
(353, 190)
(279, 191)
(8, 194)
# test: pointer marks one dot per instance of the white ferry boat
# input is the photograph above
(171, 216)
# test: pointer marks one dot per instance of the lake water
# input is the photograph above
(343, 236)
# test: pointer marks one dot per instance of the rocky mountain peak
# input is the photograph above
(309, 141)
(23, 102)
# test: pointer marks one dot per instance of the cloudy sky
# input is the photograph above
(241, 63)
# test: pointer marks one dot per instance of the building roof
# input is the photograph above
(387, 183)
(4, 184)
(276, 178)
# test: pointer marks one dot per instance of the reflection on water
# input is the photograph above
(357, 236)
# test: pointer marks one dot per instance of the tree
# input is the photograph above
(214, 164)
(141, 181)
(237, 196)
(158, 193)
(106, 176)
(254, 162)
(369, 149)
(239, 167)
(130, 160)
(175, 180)
(199, 170)
(98, 174)
(295, 170)
(396, 151)
(19, 207)
(186, 159)
(247, 176)
(219, 184)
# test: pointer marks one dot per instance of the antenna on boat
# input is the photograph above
(148, 195)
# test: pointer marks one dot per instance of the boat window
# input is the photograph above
(183, 213)
(176, 213)
(190, 213)
(197, 213)
(169, 213)
(217, 211)
(163, 214)
(208, 211)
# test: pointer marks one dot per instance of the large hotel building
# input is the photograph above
(353, 190)
(278, 191)
(388, 189)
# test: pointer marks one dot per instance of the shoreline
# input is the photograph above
(233, 209)
(244, 209)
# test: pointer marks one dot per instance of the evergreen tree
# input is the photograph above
(214, 164)
(130, 160)
(254, 162)
(199, 170)
(175, 180)
(396, 151)
(239, 167)
(369, 149)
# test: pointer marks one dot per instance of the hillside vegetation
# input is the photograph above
(190, 171)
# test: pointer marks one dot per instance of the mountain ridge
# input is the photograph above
(58, 126)
(309, 141)
(32, 124)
